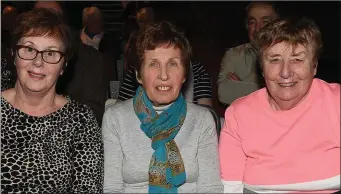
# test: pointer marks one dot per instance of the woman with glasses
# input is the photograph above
(50, 143)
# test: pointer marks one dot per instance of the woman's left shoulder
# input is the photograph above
(327, 88)
(76, 107)
(198, 111)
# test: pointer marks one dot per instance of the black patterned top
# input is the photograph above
(61, 152)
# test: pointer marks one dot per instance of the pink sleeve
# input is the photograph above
(336, 97)
(231, 154)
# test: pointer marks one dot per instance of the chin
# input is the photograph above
(35, 88)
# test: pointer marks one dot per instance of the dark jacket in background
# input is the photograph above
(86, 78)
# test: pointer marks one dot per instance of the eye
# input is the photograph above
(153, 64)
(296, 60)
(274, 61)
(251, 22)
(29, 49)
(266, 21)
(50, 53)
(172, 64)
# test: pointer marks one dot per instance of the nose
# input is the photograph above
(38, 61)
(163, 74)
(258, 27)
(286, 71)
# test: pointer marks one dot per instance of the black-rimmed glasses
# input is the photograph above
(29, 53)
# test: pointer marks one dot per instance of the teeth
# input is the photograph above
(163, 88)
(287, 84)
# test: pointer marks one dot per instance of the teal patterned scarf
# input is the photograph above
(166, 168)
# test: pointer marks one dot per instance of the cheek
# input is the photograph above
(305, 73)
(21, 65)
(251, 30)
(178, 79)
(270, 73)
(148, 78)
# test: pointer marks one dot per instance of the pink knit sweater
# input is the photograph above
(265, 150)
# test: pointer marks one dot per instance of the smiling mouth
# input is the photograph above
(287, 84)
(163, 88)
(36, 75)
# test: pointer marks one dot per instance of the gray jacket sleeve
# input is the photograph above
(209, 169)
(230, 90)
(113, 156)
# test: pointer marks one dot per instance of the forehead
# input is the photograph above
(42, 42)
(163, 52)
(284, 48)
(49, 5)
(261, 10)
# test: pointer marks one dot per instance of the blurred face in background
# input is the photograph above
(9, 15)
(145, 16)
(95, 23)
(258, 16)
(49, 5)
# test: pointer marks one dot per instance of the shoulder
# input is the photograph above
(199, 113)
(199, 69)
(249, 103)
(120, 109)
(79, 109)
(239, 49)
(328, 89)
(239, 53)
(8, 94)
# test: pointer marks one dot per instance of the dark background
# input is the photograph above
(212, 27)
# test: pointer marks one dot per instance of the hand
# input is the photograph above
(233, 76)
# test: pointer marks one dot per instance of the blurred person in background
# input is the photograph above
(239, 74)
(8, 77)
(87, 77)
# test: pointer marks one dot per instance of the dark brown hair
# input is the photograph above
(293, 31)
(162, 34)
(42, 22)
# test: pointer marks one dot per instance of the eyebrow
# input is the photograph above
(154, 59)
(298, 54)
(273, 55)
(28, 42)
(250, 18)
(50, 47)
(174, 58)
(266, 17)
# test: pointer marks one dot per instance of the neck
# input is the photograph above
(35, 103)
(281, 105)
(162, 107)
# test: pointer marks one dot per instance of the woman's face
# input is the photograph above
(162, 74)
(37, 75)
(288, 72)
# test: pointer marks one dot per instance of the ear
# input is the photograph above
(137, 78)
(12, 53)
(61, 73)
(315, 68)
